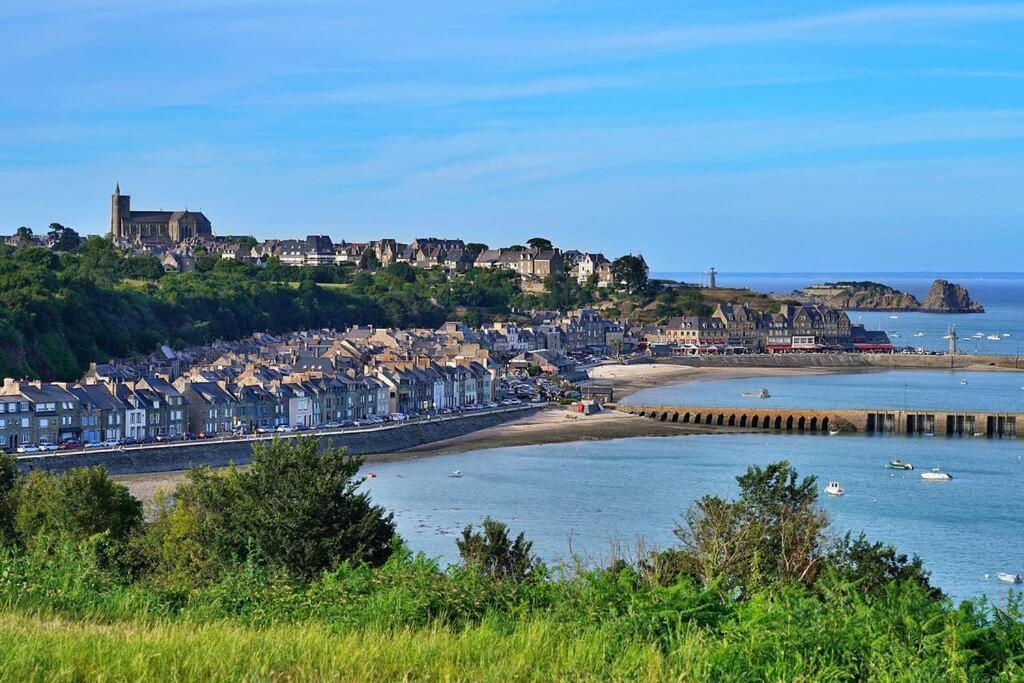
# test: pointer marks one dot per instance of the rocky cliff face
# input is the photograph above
(946, 297)
(861, 296)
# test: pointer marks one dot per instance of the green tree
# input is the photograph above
(630, 273)
(24, 235)
(9, 478)
(495, 555)
(773, 533)
(74, 506)
(539, 243)
(474, 249)
(297, 508)
(873, 566)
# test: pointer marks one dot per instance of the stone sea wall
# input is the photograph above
(180, 456)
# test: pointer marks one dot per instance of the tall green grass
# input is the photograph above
(63, 619)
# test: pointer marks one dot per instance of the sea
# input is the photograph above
(1002, 295)
(595, 501)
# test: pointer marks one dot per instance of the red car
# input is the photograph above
(70, 445)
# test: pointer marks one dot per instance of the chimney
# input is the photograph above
(10, 386)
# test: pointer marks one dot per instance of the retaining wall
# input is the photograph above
(183, 455)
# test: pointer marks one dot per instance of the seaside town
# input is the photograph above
(366, 375)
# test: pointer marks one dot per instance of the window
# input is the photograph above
(44, 423)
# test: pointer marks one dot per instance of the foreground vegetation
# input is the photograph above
(287, 570)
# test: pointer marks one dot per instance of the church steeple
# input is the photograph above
(117, 188)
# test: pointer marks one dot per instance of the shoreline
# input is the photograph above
(556, 424)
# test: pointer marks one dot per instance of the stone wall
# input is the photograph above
(180, 456)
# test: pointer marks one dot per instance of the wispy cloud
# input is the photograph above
(851, 23)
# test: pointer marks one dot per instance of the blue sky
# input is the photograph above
(754, 136)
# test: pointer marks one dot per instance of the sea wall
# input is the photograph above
(842, 360)
(180, 456)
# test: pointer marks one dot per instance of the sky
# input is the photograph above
(748, 135)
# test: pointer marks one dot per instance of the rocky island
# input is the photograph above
(943, 297)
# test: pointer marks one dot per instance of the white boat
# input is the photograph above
(963, 380)
(834, 489)
(1008, 577)
(1005, 334)
(919, 334)
(456, 474)
(760, 393)
(833, 432)
(994, 337)
(935, 474)
(894, 317)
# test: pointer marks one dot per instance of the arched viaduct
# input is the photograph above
(816, 421)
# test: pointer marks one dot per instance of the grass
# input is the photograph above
(44, 648)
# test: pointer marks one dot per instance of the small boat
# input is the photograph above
(994, 337)
(371, 475)
(979, 433)
(963, 380)
(935, 474)
(1005, 334)
(833, 432)
(894, 317)
(1009, 578)
(894, 335)
(897, 464)
(761, 393)
(919, 334)
(455, 474)
(834, 489)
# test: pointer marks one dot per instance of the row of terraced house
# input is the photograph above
(209, 402)
(735, 328)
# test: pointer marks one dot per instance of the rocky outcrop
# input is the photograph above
(862, 296)
(947, 297)
(944, 297)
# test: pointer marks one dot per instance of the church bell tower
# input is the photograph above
(120, 209)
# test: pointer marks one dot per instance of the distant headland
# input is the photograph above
(943, 297)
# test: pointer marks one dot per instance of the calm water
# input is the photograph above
(597, 493)
(1002, 295)
(888, 389)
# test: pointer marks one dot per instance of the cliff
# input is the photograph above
(947, 297)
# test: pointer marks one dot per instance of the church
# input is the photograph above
(154, 227)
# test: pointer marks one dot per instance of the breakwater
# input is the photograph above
(187, 454)
(817, 421)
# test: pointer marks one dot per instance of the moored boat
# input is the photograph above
(833, 432)
(455, 474)
(935, 474)
(897, 464)
(1008, 577)
(834, 489)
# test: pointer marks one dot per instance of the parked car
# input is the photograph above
(332, 425)
(48, 447)
(301, 428)
(284, 429)
(70, 445)
(264, 429)
(110, 443)
(28, 448)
